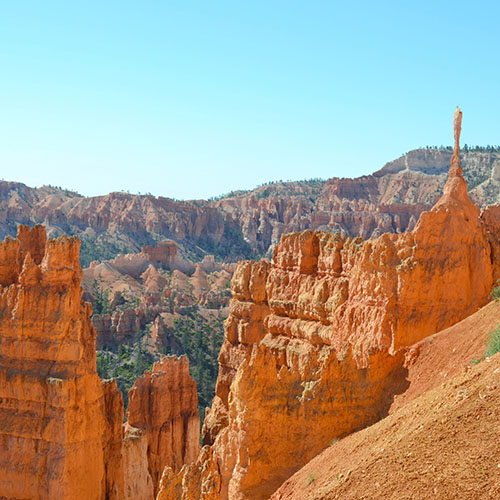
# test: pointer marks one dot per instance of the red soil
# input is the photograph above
(440, 442)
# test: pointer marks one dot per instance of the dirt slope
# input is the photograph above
(442, 444)
(446, 354)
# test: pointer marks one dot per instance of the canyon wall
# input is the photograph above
(245, 223)
(315, 340)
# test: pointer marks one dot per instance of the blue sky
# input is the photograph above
(193, 99)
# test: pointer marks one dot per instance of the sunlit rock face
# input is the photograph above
(55, 439)
(61, 430)
(315, 340)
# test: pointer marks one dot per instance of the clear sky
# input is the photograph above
(192, 99)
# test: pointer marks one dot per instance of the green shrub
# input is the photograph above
(495, 292)
(311, 478)
(493, 345)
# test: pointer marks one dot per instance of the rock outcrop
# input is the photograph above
(163, 254)
(315, 340)
(56, 441)
(137, 479)
(444, 444)
(163, 405)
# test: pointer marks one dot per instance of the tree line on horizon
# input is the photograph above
(466, 148)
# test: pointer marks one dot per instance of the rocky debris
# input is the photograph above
(314, 344)
(163, 404)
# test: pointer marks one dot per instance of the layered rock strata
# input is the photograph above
(315, 340)
(389, 200)
(55, 439)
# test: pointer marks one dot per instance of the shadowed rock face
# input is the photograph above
(55, 439)
(163, 404)
(315, 340)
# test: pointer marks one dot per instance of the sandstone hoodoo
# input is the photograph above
(55, 437)
(315, 340)
(163, 404)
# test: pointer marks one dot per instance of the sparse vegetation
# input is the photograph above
(101, 303)
(311, 478)
(466, 148)
(495, 292)
(200, 340)
(126, 365)
(191, 334)
(313, 182)
(493, 345)
(97, 249)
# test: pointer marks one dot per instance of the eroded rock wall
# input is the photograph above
(314, 342)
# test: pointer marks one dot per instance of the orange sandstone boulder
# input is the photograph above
(314, 343)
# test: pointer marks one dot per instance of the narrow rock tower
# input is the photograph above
(55, 440)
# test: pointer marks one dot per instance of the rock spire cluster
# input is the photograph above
(55, 438)
(314, 350)
(61, 432)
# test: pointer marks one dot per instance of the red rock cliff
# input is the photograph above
(55, 439)
(314, 342)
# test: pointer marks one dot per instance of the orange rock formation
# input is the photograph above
(61, 435)
(163, 404)
(314, 343)
(55, 438)
(444, 444)
(163, 254)
(163, 426)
